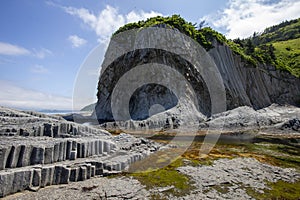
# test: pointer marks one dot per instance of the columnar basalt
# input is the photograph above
(38, 150)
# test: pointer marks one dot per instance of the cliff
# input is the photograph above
(162, 74)
(257, 87)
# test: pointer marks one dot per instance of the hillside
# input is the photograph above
(286, 30)
(89, 107)
(279, 44)
(288, 53)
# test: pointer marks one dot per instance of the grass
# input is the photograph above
(281, 155)
(283, 190)
(279, 190)
(166, 176)
(288, 54)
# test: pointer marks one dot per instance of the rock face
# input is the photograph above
(256, 87)
(38, 150)
(148, 94)
(148, 70)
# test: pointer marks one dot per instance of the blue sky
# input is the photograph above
(44, 43)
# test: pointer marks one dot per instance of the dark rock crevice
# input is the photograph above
(147, 98)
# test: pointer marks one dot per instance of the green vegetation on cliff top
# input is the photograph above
(278, 45)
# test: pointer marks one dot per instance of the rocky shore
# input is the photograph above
(39, 150)
(47, 157)
(224, 179)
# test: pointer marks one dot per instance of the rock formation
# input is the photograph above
(224, 179)
(256, 87)
(38, 150)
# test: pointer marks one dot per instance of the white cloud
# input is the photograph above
(108, 20)
(76, 41)
(242, 17)
(134, 16)
(42, 53)
(18, 97)
(12, 50)
(39, 69)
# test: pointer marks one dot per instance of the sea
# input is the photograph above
(58, 112)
